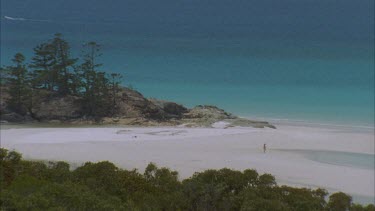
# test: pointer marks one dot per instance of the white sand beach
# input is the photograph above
(336, 158)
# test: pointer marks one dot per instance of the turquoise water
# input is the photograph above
(350, 159)
(268, 65)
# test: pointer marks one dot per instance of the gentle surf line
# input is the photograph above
(309, 123)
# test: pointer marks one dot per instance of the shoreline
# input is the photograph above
(315, 123)
(276, 122)
(196, 149)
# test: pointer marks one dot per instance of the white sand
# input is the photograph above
(189, 150)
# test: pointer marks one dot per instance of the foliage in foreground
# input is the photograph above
(33, 185)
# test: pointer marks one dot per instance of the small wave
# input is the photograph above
(64, 21)
(24, 19)
(14, 19)
(9, 18)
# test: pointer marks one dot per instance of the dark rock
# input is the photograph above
(132, 104)
(57, 108)
(14, 117)
(172, 110)
(208, 111)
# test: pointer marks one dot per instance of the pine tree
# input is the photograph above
(95, 83)
(44, 75)
(115, 88)
(101, 94)
(54, 69)
(19, 89)
(63, 64)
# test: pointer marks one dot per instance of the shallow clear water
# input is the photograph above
(350, 159)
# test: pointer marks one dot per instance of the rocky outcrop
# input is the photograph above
(51, 107)
(4, 96)
(132, 104)
(132, 109)
(7, 115)
(171, 109)
(208, 112)
(14, 117)
(241, 122)
(57, 108)
(207, 115)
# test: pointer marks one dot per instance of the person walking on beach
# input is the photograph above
(264, 148)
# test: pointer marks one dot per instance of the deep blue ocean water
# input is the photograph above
(298, 60)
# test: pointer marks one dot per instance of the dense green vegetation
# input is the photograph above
(33, 185)
(53, 68)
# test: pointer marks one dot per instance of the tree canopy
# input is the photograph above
(53, 68)
(36, 185)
